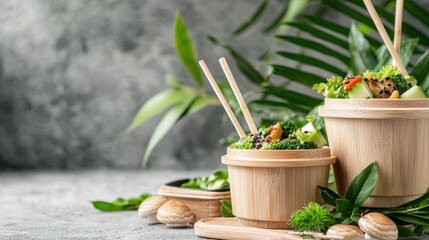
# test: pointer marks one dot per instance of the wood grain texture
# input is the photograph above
(238, 95)
(399, 11)
(233, 229)
(222, 100)
(266, 196)
(204, 204)
(399, 145)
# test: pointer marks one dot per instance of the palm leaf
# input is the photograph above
(319, 34)
(312, 62)
(308, 79)
(246, 67)
(318, 47)
(252, 20)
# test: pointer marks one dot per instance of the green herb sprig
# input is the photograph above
(312, 218)
(121, 204)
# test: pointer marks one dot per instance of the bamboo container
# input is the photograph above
(203, 203)
(267, 186)
(395, 133)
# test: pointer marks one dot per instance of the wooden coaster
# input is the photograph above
(232, 229)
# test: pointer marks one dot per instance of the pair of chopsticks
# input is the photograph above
(238, 96)
(393, 48)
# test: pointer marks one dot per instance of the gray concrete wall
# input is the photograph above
(74, 73)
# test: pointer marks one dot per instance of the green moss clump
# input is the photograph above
(312, 218)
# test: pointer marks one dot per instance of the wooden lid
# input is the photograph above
(180, 192)
(375, 108)
(278, 158)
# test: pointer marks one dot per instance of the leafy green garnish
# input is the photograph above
(333, 88)
(312, 218)
(218, 179)
(388, 71)
(243, 143)
(226, 208)
(121, 204)
(290, 145)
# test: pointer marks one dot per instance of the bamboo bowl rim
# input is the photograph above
(279, 158)
(375, 108)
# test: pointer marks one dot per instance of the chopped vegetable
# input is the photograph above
(283, 136)
(381, 84)
(402, 84)
(332, 89)
(349, 83)
(288, 128)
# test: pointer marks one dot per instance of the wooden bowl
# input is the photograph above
(203, 203)
(395, 133)
(268, 186)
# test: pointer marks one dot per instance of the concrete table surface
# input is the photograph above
(56, 205)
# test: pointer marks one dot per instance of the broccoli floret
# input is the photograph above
(290, 144)
(288, 128)
(244, 143)
(401, 83)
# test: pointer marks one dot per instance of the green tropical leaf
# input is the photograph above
(201, 102)
(185, 49)
(424, 199)
(405, 232)
(354, 14)
(421, 229)
(156, 105)
(226, 208)
(330, 38)
(327, 24)
(408, 46)
(407, 28)
(411, 218)
(245, 67)
(362, 185)
(308, 79)
(277, 20)
(293, 96)
(421, 71)
(252, 20)
(167, 122)
(309, 44)
(312, 62)
(417, 12)
(271, 103)
(329, 196)
(295, 7)
(363, 57)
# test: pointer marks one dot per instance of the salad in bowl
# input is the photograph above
(387, 83)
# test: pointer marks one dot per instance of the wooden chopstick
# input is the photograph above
(398, 27)
(238, 95)
(385, 37)
(222, 99)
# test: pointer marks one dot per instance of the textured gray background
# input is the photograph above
(74, 73)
